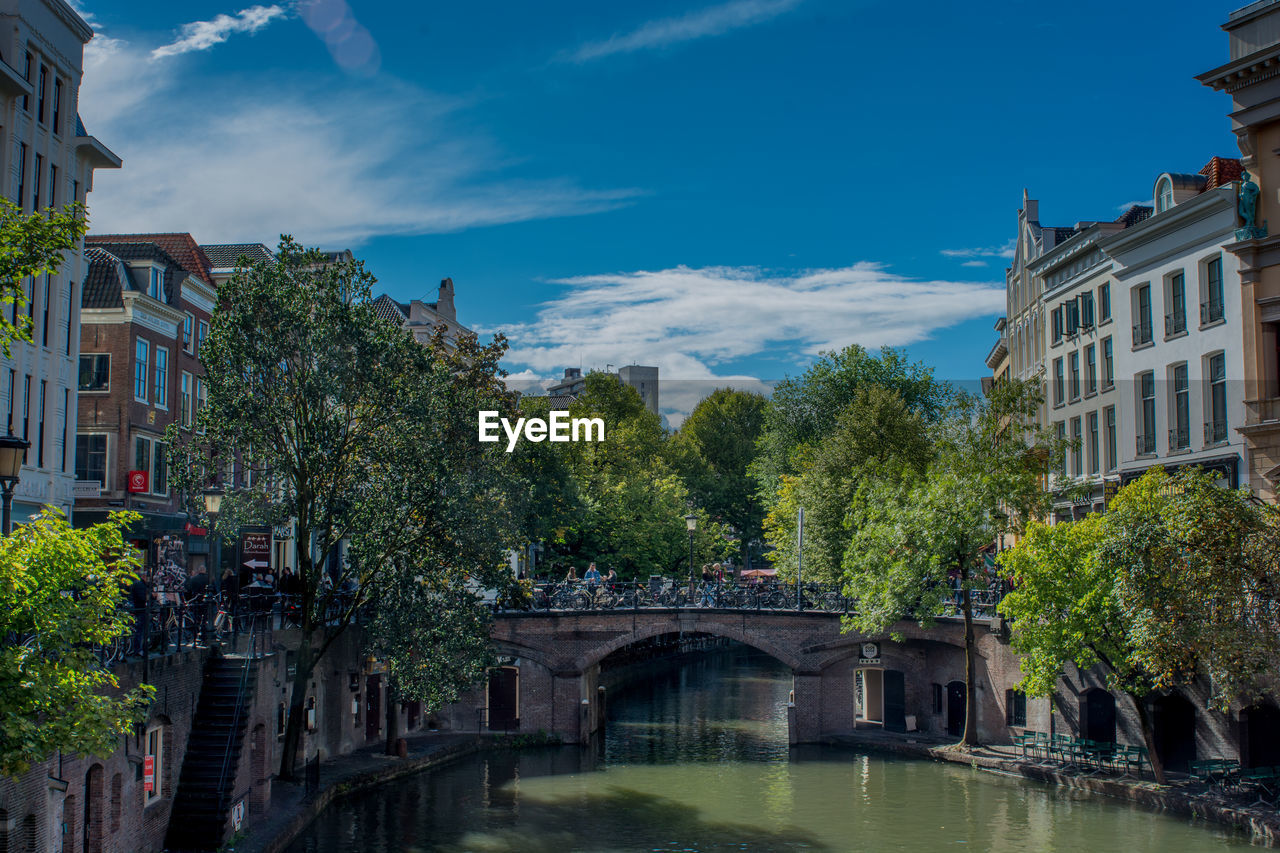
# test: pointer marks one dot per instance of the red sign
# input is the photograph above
(149, 773)
(138, 481)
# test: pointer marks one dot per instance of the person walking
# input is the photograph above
(707, 580)
(139, 598)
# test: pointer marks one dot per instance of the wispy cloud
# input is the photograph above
(974, 264)
(202, 35)
(695, 324)
(704, 23)
(280, 159)
(1144, 202)
(1005, 251)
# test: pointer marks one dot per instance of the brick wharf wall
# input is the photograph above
(34, 813)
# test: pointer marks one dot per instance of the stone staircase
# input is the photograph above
(203, 799)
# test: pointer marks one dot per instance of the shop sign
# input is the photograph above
(237, 815)
(138, 481)
(149, 773)
(255, 550)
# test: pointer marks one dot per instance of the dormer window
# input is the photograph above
(1164, 194)
(155, 289)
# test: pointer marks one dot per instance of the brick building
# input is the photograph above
(145, 312)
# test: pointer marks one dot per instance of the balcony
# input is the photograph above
(1174, 324)
(1142, 333)
(1180, 438)
(1215, 432)
(1211, 312)
(1146, 444)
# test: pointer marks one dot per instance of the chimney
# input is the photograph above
(444, 304)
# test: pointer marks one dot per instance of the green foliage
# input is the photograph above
(31, 245)
(804, 411)
(61, 589)
(712, 451)
(877, 430)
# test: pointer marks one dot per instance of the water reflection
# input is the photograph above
(695, 759)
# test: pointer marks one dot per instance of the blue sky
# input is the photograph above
(721, 188)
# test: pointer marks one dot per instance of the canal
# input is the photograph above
(696, 759)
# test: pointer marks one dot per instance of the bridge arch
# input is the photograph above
(646, 631)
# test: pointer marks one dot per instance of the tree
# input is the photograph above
(712, 451)
(31, 245)
(359, 433)
(804, 411)
(919, 537)
(1178, 579)
(60, 594)
(876, 429)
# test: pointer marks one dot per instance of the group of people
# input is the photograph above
(713, 581)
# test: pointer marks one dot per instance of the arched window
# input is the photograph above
(1164, 195)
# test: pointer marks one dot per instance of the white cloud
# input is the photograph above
(689, 322)
(1146, 202)
(974, 264)
(202, 35)
(277, 157)
(664, 32)
(1005, 251)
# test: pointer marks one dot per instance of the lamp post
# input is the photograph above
(691, 523)
(212, 506)
(12, 451)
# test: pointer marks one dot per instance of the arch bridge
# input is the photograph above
(551, 666)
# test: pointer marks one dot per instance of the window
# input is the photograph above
(57, 103)
(1146, 383)
(44, 392)
(1175, 322)
(1108, 365)
(1164, 195)
(140, 371)
(1216, 428)
(26, 75)
(185, 402)
(154, 749)
(1090, 370)
(937, 698)
(1072, 311)
(149, 455)
(162, 378)
(1057, 382)
(71, 290)
(202, 331)
(1093, 443)
(12, 376)
(91, 458)
(202, 398)
(40, 92)
(36, 174)
(1075, 375)
(1180, 434)
(22, 174)
(1061, 427)
(1211, 310)
(66, 420)
(187, 322)
(48, 293)
(53, 185)
(155, 288)
(1077, 452)
(1086, 310)
(1109, 418)
(1104, 303)
(1142, 315)
(1015, 707)
(1057, 324)
(26, 408)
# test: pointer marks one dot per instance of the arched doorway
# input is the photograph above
(1098, 715)
(92, 834)
(1260, 736)
(1173, 726)
(503, 699)
(955, 708)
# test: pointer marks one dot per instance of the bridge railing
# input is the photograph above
(664, 593)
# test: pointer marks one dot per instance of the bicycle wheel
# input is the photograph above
(830, 602)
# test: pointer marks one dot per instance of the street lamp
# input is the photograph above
(691, 523)
(12, 451)
(212, 506)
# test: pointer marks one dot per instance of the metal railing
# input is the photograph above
(671, 594)
(1142, 333)
(1179, 438)
(1211, 312)
(1145, 443)
(1175, 324)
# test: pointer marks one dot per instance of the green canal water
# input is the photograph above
(696, 759)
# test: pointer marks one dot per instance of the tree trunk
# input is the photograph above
(297, 708)
(970, 737)
(1148, 737)
(391, 697)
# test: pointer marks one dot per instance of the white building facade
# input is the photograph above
(46, 160)
(1180, 363)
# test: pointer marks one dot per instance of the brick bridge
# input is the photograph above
(551, 667)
